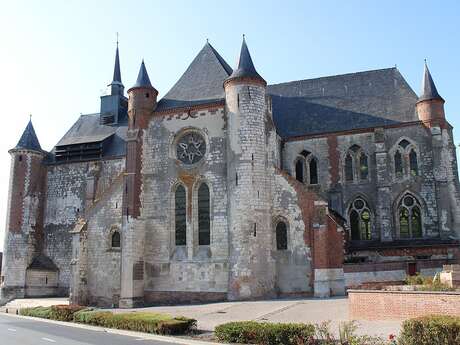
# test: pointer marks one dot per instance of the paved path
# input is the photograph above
(309, 310)
(21, 331)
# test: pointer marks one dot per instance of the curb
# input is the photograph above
(168, 339)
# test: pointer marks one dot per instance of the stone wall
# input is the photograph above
(71, 189)
(192, 269)
(383, 190)
(394, 305)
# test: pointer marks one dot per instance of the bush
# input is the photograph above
(429, 330)
(64, 312)
(42, 312)
(137, 321)
(427, 283)
(251, 332)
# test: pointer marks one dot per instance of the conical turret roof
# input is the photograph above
(245, 68)
(429, 90)
(143, 79)
(29, 140)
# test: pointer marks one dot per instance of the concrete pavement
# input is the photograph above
(309, 310)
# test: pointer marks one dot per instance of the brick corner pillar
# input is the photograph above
(142, 102)
(328, 249)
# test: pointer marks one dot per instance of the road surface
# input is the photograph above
(18, 331)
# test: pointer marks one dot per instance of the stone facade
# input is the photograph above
(203, 199)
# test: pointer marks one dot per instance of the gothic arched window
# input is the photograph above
(349, 168)
(313, 171)
(115, 240)
(306, 168)
(363, 166)
(360, 220)
(281, 236)
(410, 217)
(204, 220)
(356, 164)
(405, 159)
(413, 165)
(180, 200)
(299, 169)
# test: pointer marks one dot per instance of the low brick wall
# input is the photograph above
(397, 305)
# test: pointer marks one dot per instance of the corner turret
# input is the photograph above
(24, 224)
(430, 105)
(252, 268)
(142, 100)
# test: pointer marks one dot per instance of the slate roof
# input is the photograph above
(29, 139)
(245, 68)
(201, 83)
(116, 69)
(342, 102)
(87, 129)
(42, 262)
(143, 79)
(429, 90)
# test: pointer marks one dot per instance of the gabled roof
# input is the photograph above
(29, 140)
(245, 68)
(429, 90)
(342, 102)
(88, 129)
(201, 83)
(143, 79)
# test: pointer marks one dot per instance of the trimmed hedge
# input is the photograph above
(251, 332)
(42, 312)
(135, 321)
(430, 330)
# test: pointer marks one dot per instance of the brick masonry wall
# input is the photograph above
(394, 305)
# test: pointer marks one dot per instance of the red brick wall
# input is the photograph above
(17, 193)
(397, 305)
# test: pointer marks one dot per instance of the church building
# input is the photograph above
(230, 188)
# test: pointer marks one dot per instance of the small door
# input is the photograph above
(412, 268)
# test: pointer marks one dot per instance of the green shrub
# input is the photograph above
(251, 332)
(137, 321)
(42, 312)
(427, 283)
(430, 330)
(64, 312)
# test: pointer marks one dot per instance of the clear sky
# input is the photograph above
(56, 57)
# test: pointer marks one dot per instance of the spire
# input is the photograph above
(428, 88)
(29, 140)
(116, 86)
(245, 68)
(143, 79)
(116, 69)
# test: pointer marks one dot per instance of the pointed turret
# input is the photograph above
(429, 90)
(143, 79)
(245, 69)
(142, 99)
(29, 140)
(430, 105)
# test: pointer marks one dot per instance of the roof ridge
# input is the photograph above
(336, 75)
(221, 60)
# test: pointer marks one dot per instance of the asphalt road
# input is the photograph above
(17, 331)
